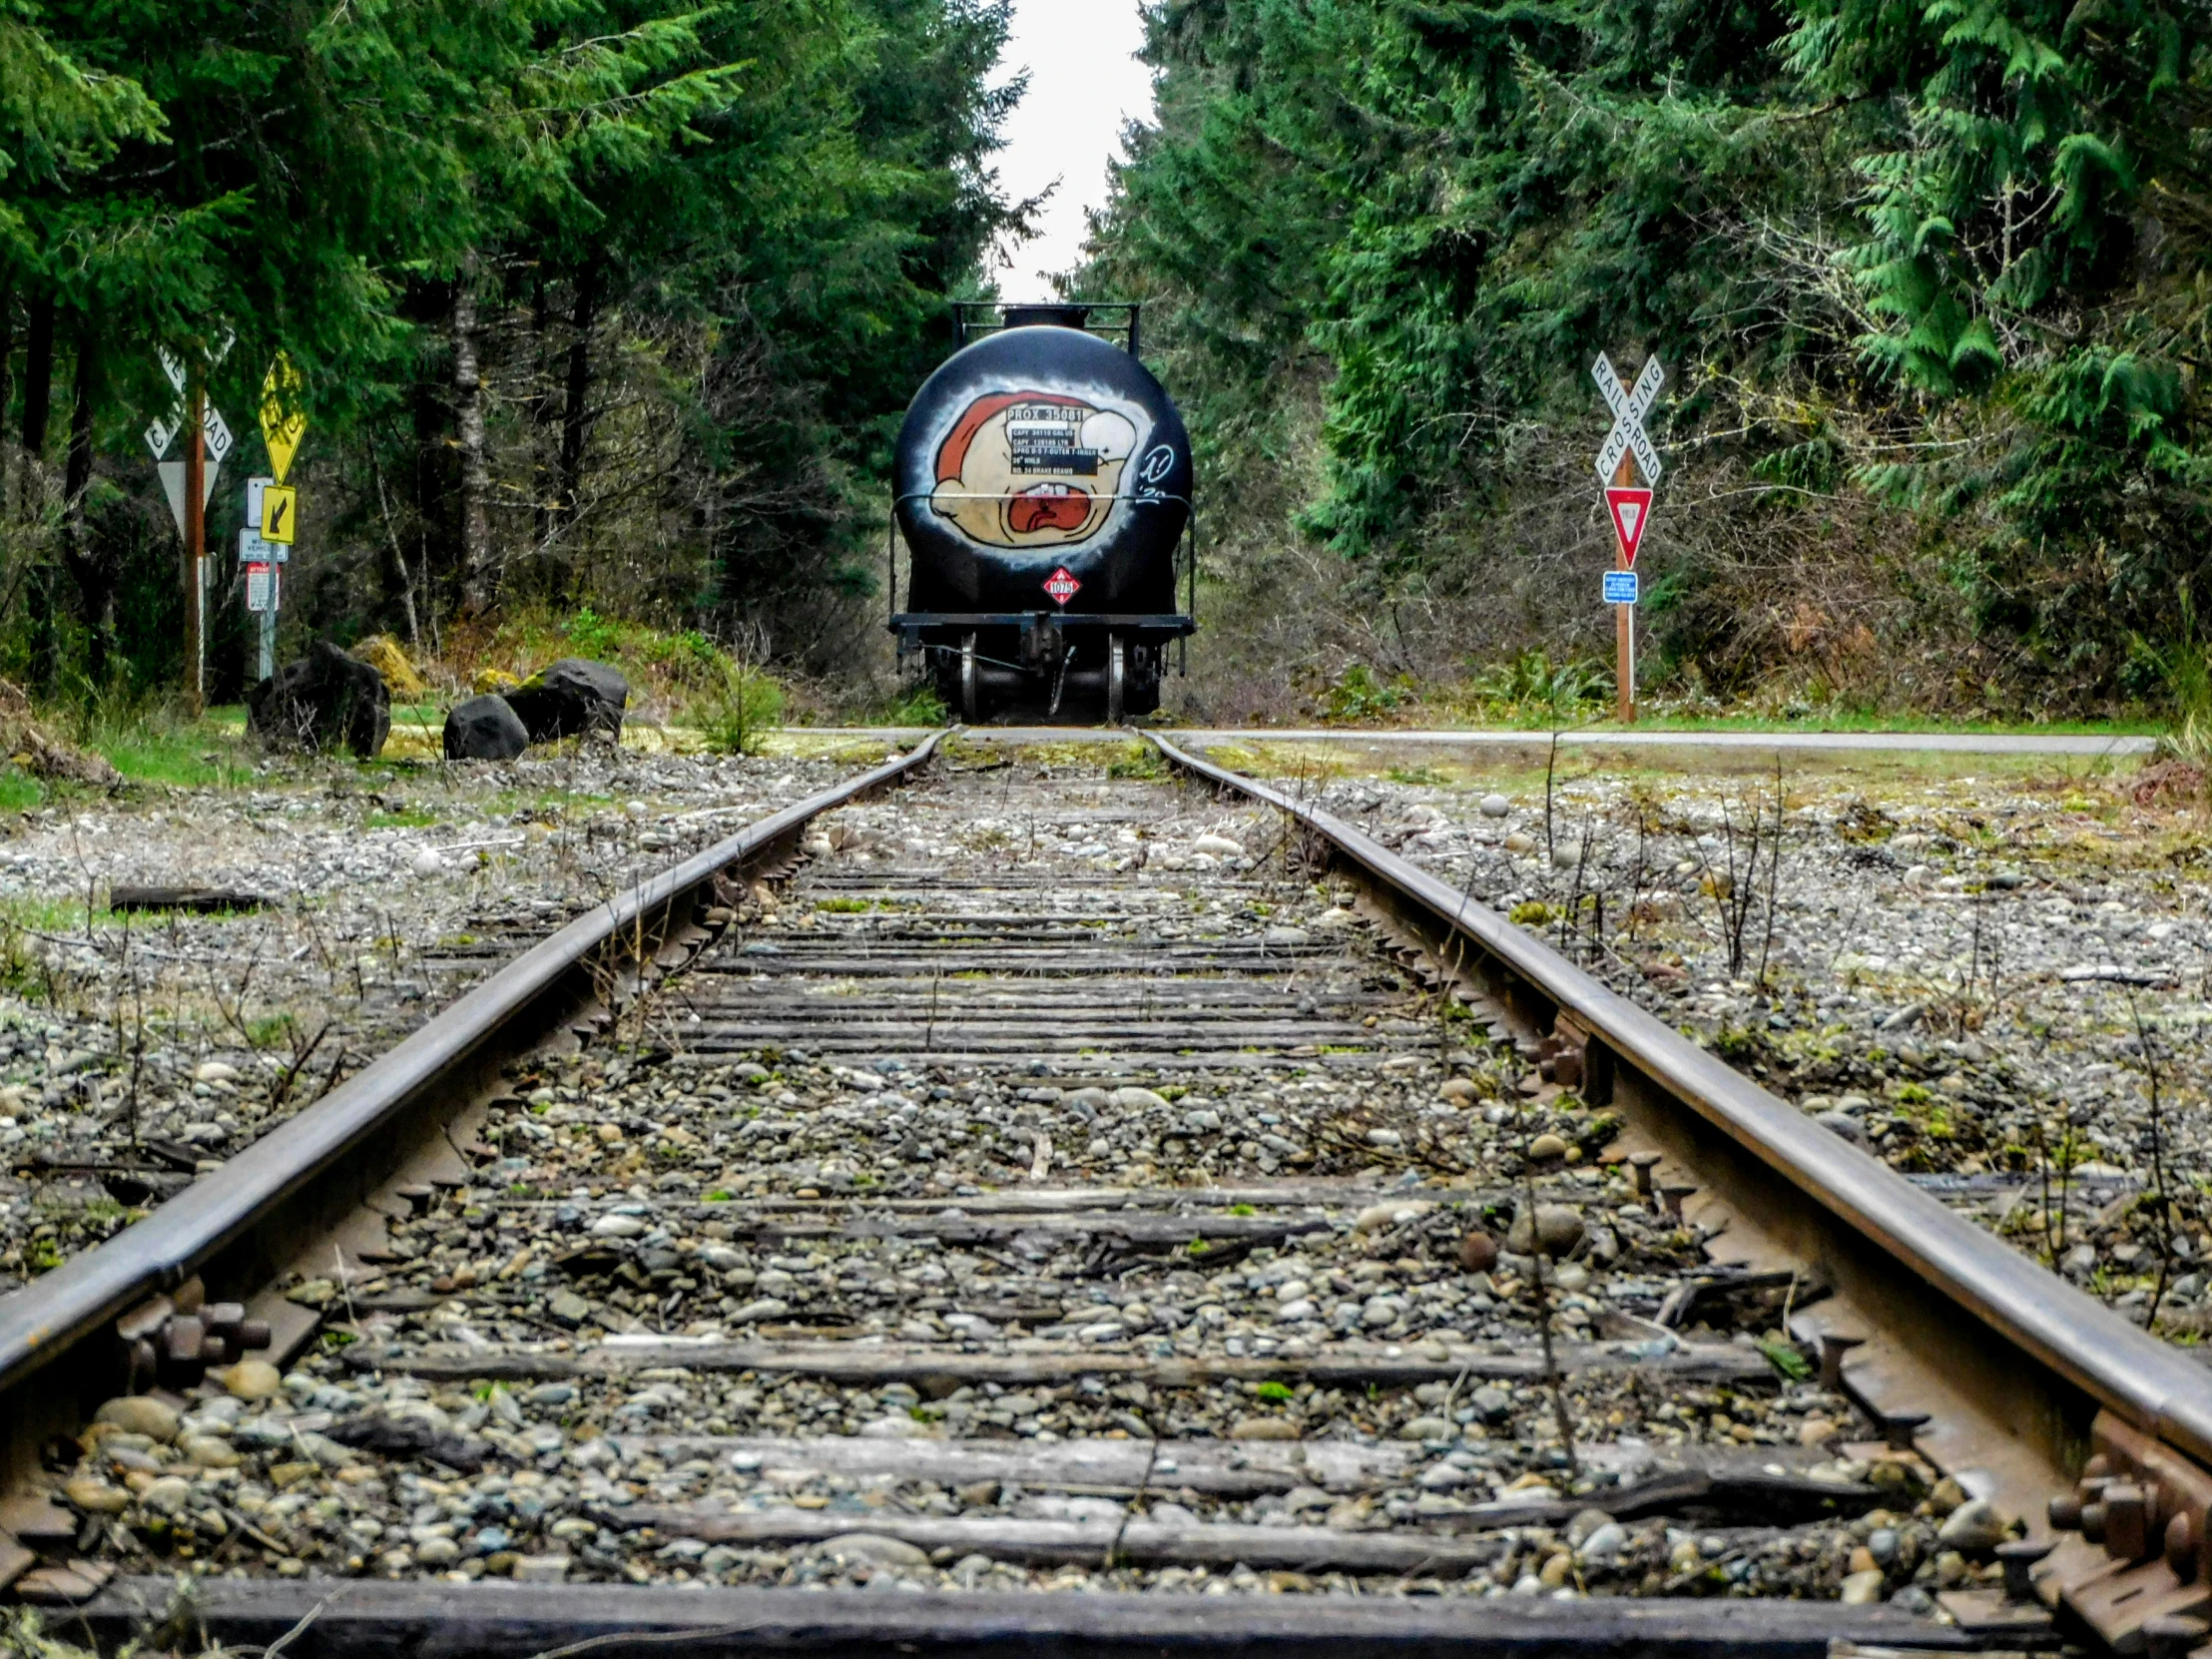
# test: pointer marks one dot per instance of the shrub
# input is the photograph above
(740, 702)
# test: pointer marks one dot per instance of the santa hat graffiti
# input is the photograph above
(1031, 469)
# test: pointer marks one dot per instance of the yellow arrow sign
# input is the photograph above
(283, 426)
(280, 513)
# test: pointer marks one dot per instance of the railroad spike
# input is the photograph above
(2018, 1556)
(1899, 1429)
(1835, 1344)
(1642, 1164)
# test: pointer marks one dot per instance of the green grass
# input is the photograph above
(153, 746)
(1139, 761)
(19, 791)
(511, 802)
(1443, 716)
(400, 820)
(267, 1032)
(52, 915)
(1831, 720)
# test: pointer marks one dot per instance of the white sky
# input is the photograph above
(1084, 83)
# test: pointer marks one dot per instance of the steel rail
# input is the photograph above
(2151, 1386)
(44, 1321)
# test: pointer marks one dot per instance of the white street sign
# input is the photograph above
(1629, 409)
(164, 429)
(214, 428)
(255, 551)
(218, 435)
(252, 549)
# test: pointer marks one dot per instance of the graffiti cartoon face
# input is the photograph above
(1032, 468)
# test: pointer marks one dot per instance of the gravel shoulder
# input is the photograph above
(1997, 979)
(140, 1049)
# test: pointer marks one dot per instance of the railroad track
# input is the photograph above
(1143, 1191)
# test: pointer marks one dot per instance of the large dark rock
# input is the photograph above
(574, 695)
(484, 728)
(324, 700)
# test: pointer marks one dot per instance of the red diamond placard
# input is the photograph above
(1631, 510)
(1062, 585)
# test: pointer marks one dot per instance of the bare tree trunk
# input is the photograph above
(575, 411)
(543, 453)
(398, 559)
(38, 391)
(430, 410)
(44, 649)
(479, 581)
(7, 373)
(92, 572)
(7, 341)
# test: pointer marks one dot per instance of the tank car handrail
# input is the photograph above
(1016, 495)
(965, 329)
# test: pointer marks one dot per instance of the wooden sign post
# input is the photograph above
(196, 543)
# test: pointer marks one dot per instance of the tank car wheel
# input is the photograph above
(1117, 680)
(971, 702)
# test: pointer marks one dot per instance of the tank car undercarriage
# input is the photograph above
(1041, 664)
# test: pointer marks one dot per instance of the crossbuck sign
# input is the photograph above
(1628, 437)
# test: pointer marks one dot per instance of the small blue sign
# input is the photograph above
(1620, 587)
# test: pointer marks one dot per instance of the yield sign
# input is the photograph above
(173, 485)
(1062, 585)
(1631, 510)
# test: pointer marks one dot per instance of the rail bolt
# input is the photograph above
(2064, 1513)
(2126, 1521)
(1672, 1197)
(2182, 1549)
(181, 1339)
(2018, 1556)
(2092, 1521)
(1560, 1061)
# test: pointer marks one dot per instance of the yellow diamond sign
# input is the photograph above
(283, 426)
(280, 513)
